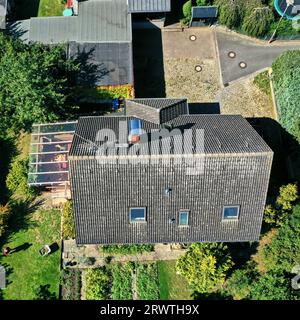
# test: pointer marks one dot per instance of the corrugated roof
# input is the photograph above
(223, 134)
(104, 20)
(136, 6)
(53, 29)
(97, 21)
(204, 12)
(109, 63)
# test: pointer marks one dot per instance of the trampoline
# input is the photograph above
(289, 9)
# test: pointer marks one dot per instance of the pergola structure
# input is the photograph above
(48, 159)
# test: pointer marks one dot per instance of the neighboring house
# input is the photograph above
(101, 34)
(203, 16)
(131, 189)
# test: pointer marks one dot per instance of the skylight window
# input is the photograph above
(231, 212)
(183, 218)
(137, 214)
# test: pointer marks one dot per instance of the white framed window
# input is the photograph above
(231, 212)
(183, 218)
(137, 214)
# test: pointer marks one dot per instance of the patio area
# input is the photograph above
(91, 256)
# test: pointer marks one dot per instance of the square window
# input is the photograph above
(137, 214)
(183, 218)
(231, 212)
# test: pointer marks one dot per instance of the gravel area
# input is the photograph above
(246, 99)
(182, 80)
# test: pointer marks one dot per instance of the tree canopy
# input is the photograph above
(35, 83)
(205, 265)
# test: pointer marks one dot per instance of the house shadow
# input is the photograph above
(149, 73)
(204, 108)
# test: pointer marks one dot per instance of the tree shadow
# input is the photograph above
(20, 217)
(43, 293)
(22, 247)
(8, 151)
(17, 30)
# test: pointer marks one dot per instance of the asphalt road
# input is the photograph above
(256, 56)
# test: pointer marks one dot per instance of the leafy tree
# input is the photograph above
(283, 253)
(273, 286)
(229, 12)
(5, 211)
(258, 21)
(16, 180)
(68, 221)
(35, 84)
(205, 265)
(240, 282)
(278, 215)
(97, 284)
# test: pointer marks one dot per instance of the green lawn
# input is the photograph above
(26, 269)
(171, 285)
(49, 8)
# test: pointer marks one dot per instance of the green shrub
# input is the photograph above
(122, 281)
(4, 216)
(127, 248)
(240, 282)
(262, 81)
(205, 266)
(16, 180)
(97, 284)
(187, 9)
(273, 286)
(286, 73)
(68, 221)
(147, 281)
(283, 253)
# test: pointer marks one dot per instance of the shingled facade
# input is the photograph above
(222, 202)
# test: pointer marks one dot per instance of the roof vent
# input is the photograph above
(135, 130)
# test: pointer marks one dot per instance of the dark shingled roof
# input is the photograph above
(136, 6)
(223, 134)
(204, 12)
(107, 63)
(236, 170)
(157, 103)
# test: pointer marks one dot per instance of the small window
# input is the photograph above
(231, 212)
(183, 218)
(137, 214)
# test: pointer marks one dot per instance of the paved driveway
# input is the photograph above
(256, 56)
